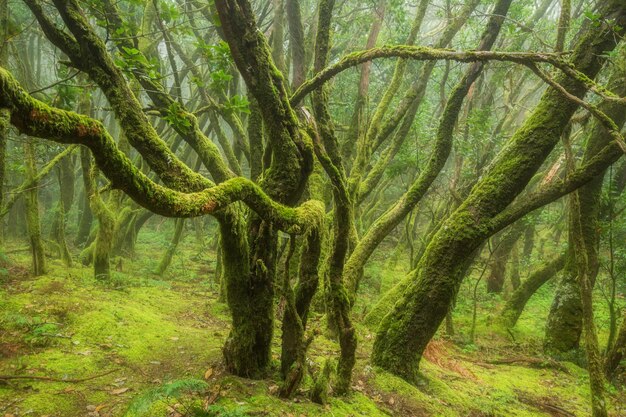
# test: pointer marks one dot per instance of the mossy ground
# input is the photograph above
(150, 330)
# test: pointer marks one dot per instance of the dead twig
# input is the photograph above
(532, 362)
(543, 404)
(53, 379)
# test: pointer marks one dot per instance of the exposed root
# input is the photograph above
(53, 379)
(544, 404)
(540, 363)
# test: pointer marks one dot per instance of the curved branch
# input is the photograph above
(420, 53)
(605, 120)
(35, 118)
(558, 188)
(89, 54)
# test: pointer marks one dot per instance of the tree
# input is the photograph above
(406, 330)
(221, 126)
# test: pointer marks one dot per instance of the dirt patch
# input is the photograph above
(437, 352)
(10, 349)
(392, 403)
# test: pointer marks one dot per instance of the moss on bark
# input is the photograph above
(32, 212)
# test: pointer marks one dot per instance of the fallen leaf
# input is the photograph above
(119, 391)
(208, 373)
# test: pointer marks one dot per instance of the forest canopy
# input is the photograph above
(363, 186)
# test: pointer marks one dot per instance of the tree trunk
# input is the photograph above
(4, 113)
(586, 258)
(304, 292)
(171, 248)
(106, 221)
(515, 305)
(514, 277)
(618, 351)
(497, 269)
(250, 285)
(405, 332)
(65, 177)
(250, 296)
(84, 222)
(564, 324)
(32, 212)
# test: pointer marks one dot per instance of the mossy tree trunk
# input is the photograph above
(500, 257)
(517, 301)
(587, 270)
(32, 211)
(65, 177)
(166, 260)
(251, 297)
(405, 332)
(298, 302)
(328, 153)
(106, 222)
(514, 277)
(564, 324)
(442, 148)
(4, 113)
(85, 220)
(616, 352)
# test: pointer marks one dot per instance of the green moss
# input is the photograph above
(159, 331)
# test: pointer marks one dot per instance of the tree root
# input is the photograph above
(53, 379)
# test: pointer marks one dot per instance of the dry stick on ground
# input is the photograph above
(531, 362)
(540, 403)
(52, 379)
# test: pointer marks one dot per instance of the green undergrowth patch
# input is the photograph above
(130, 335)
(152, 347)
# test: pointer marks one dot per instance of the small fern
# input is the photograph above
(173, 389)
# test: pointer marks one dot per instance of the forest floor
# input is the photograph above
(150, 346)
